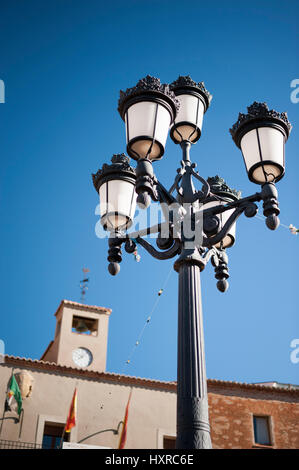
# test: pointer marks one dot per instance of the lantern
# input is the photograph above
(115, 184)
(148, 109)
(221, 194)
(261, 135)
(194, 101)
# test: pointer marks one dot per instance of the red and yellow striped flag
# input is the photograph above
(72, 416)
(123, 436)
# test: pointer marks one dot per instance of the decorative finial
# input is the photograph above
(148, 84)
(259, 112)
(120, 162)
(185, 81)
(219, 187)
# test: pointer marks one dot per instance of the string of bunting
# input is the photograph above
(291, 228)
(149, 318)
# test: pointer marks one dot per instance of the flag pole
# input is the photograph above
(64, 429)
(21, 422)
(62, 437)
(123, 435)
(2, 419)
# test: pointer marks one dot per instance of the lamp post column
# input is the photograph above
(193, 429)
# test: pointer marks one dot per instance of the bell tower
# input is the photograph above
(80, 337)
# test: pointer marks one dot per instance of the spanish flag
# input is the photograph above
(123, 436)
(72, 416)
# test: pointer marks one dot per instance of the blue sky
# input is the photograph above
(63, 64)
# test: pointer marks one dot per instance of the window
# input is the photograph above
(85, 326)
(52, 436)
(169, 442)
(261, 430)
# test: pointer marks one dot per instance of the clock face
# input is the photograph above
(82, 357)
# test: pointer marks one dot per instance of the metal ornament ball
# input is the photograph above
(113, 268)
(222, 285)
(272, 222)
(143, 200)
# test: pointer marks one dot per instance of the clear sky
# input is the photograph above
(63, 63)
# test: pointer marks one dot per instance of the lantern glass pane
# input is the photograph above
(117, 204)
(162, 125)
(140, 119)
(103, 199)
(191, 111)
(147, 125)
(264, 144)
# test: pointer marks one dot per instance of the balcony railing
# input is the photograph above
(18, 445)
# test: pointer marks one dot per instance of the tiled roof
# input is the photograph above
(84, 373)
(213, 384)
(91, 308)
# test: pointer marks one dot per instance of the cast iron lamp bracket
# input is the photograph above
(175, 213)
(183, 203)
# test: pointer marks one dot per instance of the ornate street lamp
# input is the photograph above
(149, 109)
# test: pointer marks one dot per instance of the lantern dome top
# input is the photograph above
(151, 85)
(120, 165)
(259, 112)
(186, 82)
(219, 187)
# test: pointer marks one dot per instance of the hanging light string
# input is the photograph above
(291, 228)
(160, 292)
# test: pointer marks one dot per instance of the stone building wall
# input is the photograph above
(102, 398)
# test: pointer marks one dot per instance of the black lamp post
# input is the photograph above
(199, 224)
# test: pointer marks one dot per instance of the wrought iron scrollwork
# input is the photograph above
(248, 207)
(185, 205)
(166, 254)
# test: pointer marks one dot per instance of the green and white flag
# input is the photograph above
(13, 395)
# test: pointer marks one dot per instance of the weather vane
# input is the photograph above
(83, 285)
